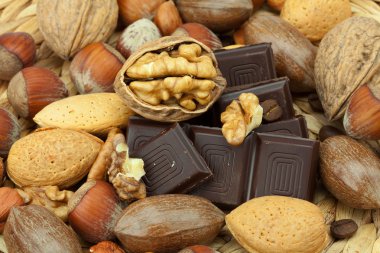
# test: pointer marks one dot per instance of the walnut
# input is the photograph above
(103, 160)
(125, 173)
(241, 117)
(51, 198)
(171, 79)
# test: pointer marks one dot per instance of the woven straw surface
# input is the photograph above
(20, 15)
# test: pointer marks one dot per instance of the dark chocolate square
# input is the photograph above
(296, 127)
(249, 64)
(171, 163)
(284, 165)
(230, 165)
(277, 89)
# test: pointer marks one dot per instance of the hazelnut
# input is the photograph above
(219, 16)
(106, 247)
(200, 33)
(362, 117)
(136, 35)
(257, 4)
(94, 68)
(32, 89)
(93, 211)
(276, 4)
(9, 198)
(167, 18)
(17, 51)
(133, 10)
(9, 131)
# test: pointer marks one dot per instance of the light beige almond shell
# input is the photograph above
(315, 18)
(276, 224)
(70, 25)
(94, 113)
(59, 157)
(348, 57)
(351, 172)
(164, 113)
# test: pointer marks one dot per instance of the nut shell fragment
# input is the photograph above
(171, 57)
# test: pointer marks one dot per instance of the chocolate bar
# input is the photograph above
(249, 64)
(296, 126)
(141, 130)
(171, 163)
(277, 89)
(265, 164)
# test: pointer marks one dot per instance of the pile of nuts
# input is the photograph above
(67, 180)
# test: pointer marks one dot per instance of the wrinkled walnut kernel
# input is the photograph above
(51, 198)
(125, 173)
(241, 117)
(184, 74)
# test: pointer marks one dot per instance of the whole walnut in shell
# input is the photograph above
(70, 25)
(348, 57)
(171, 79)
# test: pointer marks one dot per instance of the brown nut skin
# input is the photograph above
(294, 54)
(136, 35)
(200, 33)
(167, 18)
(133, 10)
(95, 67)
(32, 229)
(9, 131)
(362, 117)
(219, 16)
(9, 198)
(93, 211)
(106, 247)
(2, 172)
(164, 113)
(168, 223)
(33, 88)
(351, 172)
(17, 51)
(276, 4)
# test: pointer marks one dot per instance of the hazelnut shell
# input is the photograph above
(164, 113)
(9, 131)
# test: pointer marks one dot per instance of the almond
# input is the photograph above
(168, 223)
(94, 113)
(33, 229)
(351, 172)
(58, 157)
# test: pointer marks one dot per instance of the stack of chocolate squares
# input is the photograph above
(194, 157)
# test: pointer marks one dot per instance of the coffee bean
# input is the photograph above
(342, 229)
(328, 131)
(271, 110)
(315, 103)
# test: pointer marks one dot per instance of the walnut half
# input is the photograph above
(125, 173)
(171, 79)
(241, 117)
(51, 198)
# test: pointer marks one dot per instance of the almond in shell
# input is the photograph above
(58, 157)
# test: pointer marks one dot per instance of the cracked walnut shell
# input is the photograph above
(171, 79)
(241, 117)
